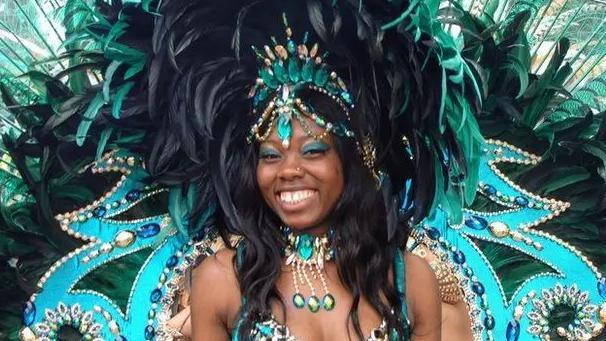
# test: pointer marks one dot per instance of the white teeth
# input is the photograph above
(295, 196)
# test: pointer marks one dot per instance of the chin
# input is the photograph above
(299, 224)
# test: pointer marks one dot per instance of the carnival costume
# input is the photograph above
(116, 183)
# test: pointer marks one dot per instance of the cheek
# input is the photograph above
(264, 181)
(335, 180)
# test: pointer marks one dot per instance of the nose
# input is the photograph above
(291, 169)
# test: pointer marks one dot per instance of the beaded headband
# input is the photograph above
(284, 72)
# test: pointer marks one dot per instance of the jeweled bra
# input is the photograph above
(270, 329)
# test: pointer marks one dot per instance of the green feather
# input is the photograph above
(88, 117)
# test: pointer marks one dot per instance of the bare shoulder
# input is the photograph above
(418, 272)
(220, 264)
(216, 275)
(423, 297)
(215, 292)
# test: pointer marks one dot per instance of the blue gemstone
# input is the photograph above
(521, 201)
(148, 230)
(133, 195)
(172, 261)
(489, 322)
(602, 287)
(433, 233)
(490, 190)
(468, 272)
(156, 295)
(99, 212)
(459, 257)
(513, 331)
(29, 313)
(478, 288)
(149, 332)
(476, 223)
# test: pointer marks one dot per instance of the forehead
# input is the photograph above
(301, 131)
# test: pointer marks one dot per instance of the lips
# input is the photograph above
(292, 200)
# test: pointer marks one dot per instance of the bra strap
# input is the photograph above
(240, 249)
(399, 270)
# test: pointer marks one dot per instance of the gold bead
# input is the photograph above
(124, 238)
(269, 52)
(26, 334)
(499, 229)
(281, 51)
(314, 51)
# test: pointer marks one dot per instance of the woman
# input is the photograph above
(307, 188)
(320, 256)
(295, 120)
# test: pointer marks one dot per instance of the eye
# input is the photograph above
(267, 154)
(315, 148)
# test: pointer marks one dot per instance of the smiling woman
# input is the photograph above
(322, 236)
(308, 137)
(303, 183)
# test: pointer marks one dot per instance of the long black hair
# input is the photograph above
(203, 63)
(360, 220)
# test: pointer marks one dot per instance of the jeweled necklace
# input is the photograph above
(307, 253)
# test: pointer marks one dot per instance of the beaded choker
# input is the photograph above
(306, 255)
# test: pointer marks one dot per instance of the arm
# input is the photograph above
(424, 300)
(214, 292)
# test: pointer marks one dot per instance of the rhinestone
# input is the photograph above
(476, 222)
(29, 313)
(149, 332)
(148, 230)
(298, 300)
(499, 229)
(328, 302)
(313, 303)
(124, 238)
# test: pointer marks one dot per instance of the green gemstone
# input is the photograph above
(280, 71)
(328, 302)
(298, 300)
(291, 46)
(268, 79)
(305, 246)
(307, 73)
(265, 330)
(284, 128)
(321, 77)
(313, 303)
(293, 70)
(346, 97)
(262, 94)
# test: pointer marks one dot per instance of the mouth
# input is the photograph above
(294, 200)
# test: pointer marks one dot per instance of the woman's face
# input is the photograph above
(303, 183)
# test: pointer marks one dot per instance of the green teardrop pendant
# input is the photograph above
(313, 303)
(328, 302)
(298, 300)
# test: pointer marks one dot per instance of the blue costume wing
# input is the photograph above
(539, 68)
